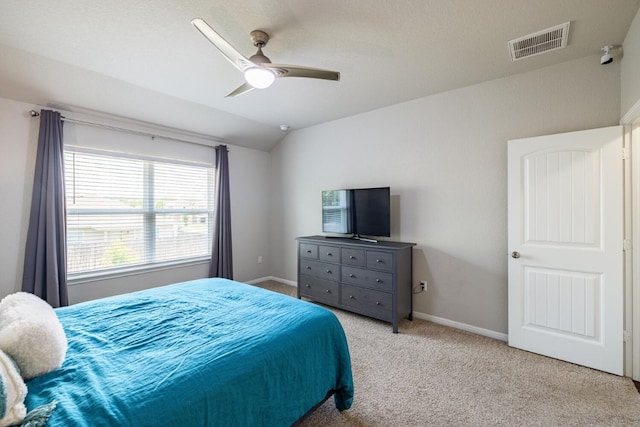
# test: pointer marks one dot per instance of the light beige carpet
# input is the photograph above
(433, 375)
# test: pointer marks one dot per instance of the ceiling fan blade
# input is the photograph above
(300, 71)
(235, 57)
(244, 88)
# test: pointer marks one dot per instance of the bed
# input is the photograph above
(201, 353)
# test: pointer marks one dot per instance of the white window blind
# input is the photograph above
(126, 211)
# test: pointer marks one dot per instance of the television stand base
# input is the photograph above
(364, 239)
(353, 237)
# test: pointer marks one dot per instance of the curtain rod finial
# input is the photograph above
(34, 113)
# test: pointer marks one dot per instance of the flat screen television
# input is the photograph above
(358, 211)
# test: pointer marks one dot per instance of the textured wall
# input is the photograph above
(630, 68)
(444, 157)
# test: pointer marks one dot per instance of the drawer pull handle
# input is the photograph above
(329, 254)
(377, 302)
(378, 280)
(352, 257)
(308, 251)
(351, 297)
(378, 261)
(308, 267)
(328, 291)
(351, 275)
(329, 271)
(308, 286)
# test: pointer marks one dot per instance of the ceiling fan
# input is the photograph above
(258, 70)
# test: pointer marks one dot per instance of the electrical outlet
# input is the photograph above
(423, 285)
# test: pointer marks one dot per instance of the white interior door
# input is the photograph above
(566, 272)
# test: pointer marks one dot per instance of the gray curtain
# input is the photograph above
(221, 253)
(45, 260)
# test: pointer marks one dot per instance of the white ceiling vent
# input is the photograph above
(540, 42)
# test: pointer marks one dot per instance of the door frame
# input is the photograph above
(632, 291)
(631, 123)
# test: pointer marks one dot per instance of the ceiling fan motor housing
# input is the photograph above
(259, 38)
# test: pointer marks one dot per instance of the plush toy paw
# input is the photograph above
(39, 416)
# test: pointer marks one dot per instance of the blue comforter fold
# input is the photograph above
(202, 353)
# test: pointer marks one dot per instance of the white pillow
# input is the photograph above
(31, 334)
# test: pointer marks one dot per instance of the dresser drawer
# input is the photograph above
(329, 253)
(368, 302)
(319, 289)
(308, 250)
(319, 269)
(380, 260)
(354, 257)
(368, 278)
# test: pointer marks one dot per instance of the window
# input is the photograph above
(128, 212)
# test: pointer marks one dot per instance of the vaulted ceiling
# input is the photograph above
(143, 60)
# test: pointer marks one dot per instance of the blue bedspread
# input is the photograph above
(209, 352)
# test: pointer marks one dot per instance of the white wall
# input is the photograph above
(250, 198)
(444, 157)
(630, 68)
(18, 142)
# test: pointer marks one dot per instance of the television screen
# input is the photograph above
(371, 212)
(361, 212)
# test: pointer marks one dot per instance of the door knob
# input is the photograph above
(515, 254)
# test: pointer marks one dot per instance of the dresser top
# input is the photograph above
(347, 241)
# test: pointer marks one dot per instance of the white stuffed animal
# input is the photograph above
(32, 343)
(31, 334)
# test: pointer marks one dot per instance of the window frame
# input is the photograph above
(149, 214)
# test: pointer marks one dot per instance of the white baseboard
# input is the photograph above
(439, 320)
(275, 279)
(462, 326)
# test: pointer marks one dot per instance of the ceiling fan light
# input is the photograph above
(259, 77)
